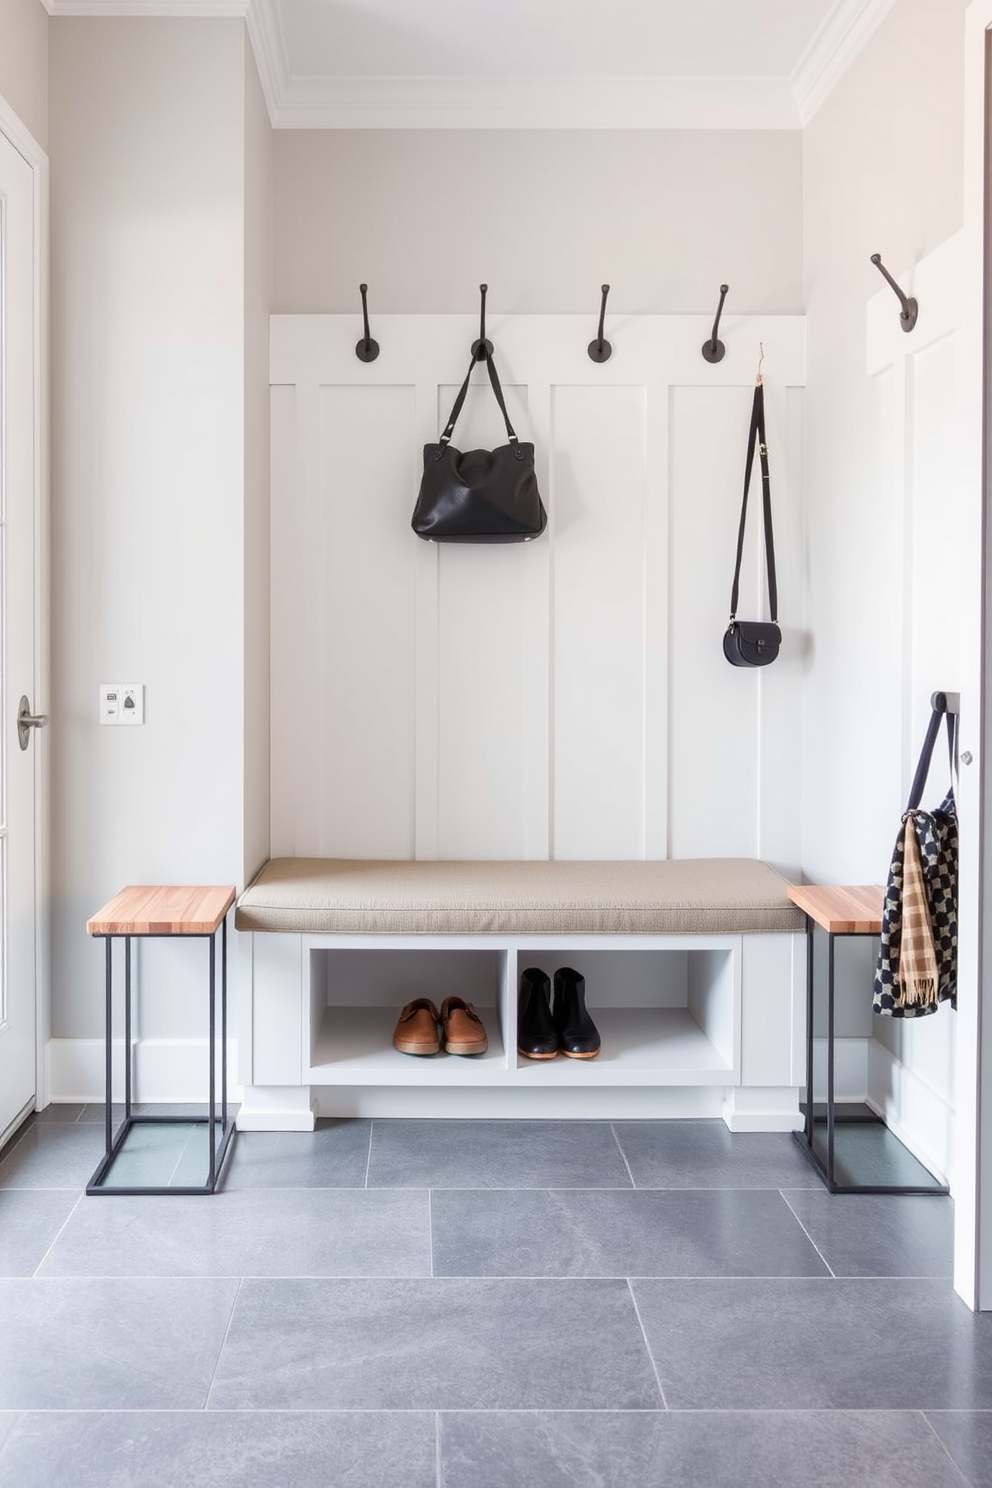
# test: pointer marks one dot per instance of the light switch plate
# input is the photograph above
(132, 702)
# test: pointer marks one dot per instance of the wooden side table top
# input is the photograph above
(163, 909)
(841, 909)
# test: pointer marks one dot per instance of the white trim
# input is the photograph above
(973, 1096)
(846, 30)
(524, 102)
(198, 8)
(28, 147)
(268, 44)
(164, 1070)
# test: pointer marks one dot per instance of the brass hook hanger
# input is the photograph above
(758, 379)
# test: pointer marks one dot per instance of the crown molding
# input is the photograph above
(834, 47)
(269, 47)
(536, 103)
(296, 102)
(186, 8)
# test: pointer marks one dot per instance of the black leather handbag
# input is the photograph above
(479, 496)
(751, 643)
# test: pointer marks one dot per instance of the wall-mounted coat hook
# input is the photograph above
(601, 350)
(945, 702)
(910, 309)
(366, 350)
(482, 348)
(714, 350)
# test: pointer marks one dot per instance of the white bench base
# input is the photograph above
(692, 1025)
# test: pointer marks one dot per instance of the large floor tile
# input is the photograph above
(878, 1234)
(704, 1154)
(96, 1345)
(213, 1449)
(697, 1449)
(441, 1344)
(336, 1155)
(967, 1435)
(29, 1222)
(495, 1154)
(798, 1344)
(321, 1232)
(618, 1232)
(52, 1155)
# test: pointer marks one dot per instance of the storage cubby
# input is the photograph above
(664, 1016)
(667, 1013)
(356, 996)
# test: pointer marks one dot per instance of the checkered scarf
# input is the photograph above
(917, 957)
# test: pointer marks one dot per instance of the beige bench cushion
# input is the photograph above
(342, 896)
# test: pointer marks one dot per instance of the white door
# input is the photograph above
(19, 773)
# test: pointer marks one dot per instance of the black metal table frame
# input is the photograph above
(805, 1137)
(221, 1125)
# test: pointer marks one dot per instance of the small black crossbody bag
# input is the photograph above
(751, 643)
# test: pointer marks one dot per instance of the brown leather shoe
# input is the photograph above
(462, 1030)
(416, 1028)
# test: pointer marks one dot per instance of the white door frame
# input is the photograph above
(973, 1189)
(24, 142)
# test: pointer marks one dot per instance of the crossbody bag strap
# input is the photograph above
(756, 439)
(460, 400)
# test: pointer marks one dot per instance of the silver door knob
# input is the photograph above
(26, 720)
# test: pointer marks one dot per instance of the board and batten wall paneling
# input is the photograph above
(598, 552)
(925, 605)
(486, 622)
(566, 697)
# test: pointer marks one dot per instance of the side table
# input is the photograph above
(151, 911)
(851, 1147)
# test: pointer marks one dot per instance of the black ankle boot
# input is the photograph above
(578, 1036)
(536, 1034)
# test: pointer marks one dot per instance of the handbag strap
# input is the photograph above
(756, 437)
(457, 408)
(937, 716)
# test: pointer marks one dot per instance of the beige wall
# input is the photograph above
(24, 63)
(545, 217)
(148, 502)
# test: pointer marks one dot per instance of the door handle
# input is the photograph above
(26, 720)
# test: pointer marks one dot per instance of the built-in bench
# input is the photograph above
(694, 974)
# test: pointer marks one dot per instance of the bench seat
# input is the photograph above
(688, 896)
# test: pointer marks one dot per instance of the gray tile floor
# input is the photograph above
(484, 1304)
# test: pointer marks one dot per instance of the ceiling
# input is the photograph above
(538, 64)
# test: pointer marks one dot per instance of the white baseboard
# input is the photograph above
(762, 1109)
(163, 1070)
(918, 1115)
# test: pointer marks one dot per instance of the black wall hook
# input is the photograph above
(366, 350)
(714, 350)
(910, 309)
(600, 350)
(482, 348)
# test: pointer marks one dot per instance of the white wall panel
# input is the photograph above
(713, 719)
(366, 585)
(926, 614)
(567, 697)
(598, 621)
(484, 629)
